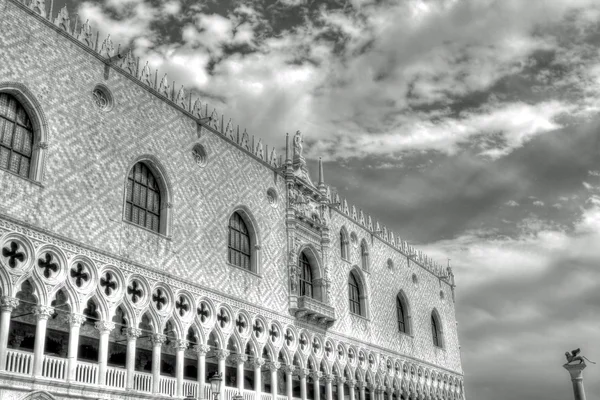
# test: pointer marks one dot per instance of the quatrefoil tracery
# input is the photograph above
(79, 275)
(14, 254)
(48, 265)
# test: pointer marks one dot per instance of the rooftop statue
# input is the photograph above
(573, 356)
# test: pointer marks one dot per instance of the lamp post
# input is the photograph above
(215, 384)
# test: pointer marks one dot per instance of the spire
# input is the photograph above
(288, 157)
(321, 176)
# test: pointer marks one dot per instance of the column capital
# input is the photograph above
(352, 383)
(133, 333)
(43, 312)
(289, 369)
(302, 372)
(239, 358)
(180, 344)
(341, 380)
(258, 362)
(158, 339)
(104, 326)
(8, 303)
(575, 370)
(316, 375)
(274, 366)
(222, 354)
(202, 349)
(75, 320)
(329, 378)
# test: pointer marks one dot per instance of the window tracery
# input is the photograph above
(16, 136)
(239, 253)
(143, 201)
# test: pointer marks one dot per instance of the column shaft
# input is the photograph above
(288, 380)
(8, 305)
(104, 328)
(303, 385)
(157, 342)
(180, 346)
(43, 313)
(75, 321)
(130, 360)
(201, 350)
(328, 390)
(361, 393)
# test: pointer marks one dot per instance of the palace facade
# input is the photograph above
(146, 243)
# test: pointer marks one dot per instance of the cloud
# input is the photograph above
(538, 203)
(511, 203)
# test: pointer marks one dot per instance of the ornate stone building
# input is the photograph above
(147, 243)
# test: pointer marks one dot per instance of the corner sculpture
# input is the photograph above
(576, 372)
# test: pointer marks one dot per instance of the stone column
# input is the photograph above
(274, 367)
(302, 372)
(361, 392)
(257, 363)
(132, 335)
(222, 356)
(316, 376)
(351, 385)
(42, 313)
(104, 328)
(7, 305)
(239, 361)
(340, 382)
(576, 372)
(373, 395)
(328, 390)
(180, 346)
(201, 350)
(289, 369)
(157, 341)
(75, 321)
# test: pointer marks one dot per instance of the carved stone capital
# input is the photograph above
(340, 380)
(222, 354)
(158, 339)
(180, 344)
(316, 375)
(104, 326)
(258, 362)
(289, 369)
(133, 333)
(239, 358)
(352, 383)
(302, 372)
(274, 366)
(202, 349)
(329, 378)
(43, 312)
(75, 320)
(41, 145)
(8, 303)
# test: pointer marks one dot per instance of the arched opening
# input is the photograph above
(309, 279)
(265, 380)
(143, 199)
(143, 345)
(190, 361)
(322, 387)
(167, 351)
(23, 320)
(402, 314)
(117, 340)
(16, 137)
(230, 378)
(344, 244)
(248, 369)
(295, 378)
(89, 337)
(212, 366)
(356, 294)
(281, 378)
(436, 330)
(364, 255)
(57, 331)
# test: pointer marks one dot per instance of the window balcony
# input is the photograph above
(315, 311)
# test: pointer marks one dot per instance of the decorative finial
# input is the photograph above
(321, 175)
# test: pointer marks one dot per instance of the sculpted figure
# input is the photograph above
(298, 144)
(573, 356)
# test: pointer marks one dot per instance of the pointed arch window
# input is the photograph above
(354, 295)
(435, 331)
(143, 201)
(16, 136)
(344, 245)
(239, 253)
(364, 255)
(401, 315)
(306, 284)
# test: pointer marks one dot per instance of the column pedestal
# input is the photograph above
(576, 372)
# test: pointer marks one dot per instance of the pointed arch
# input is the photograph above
(437, 330)
(37, 147)
(39, 395)
(344, 244)
(243, 240)
(146, 171)
(403, 313)
(364, 255)
(357, 293)
(310, 275)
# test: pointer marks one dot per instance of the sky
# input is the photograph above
(468, 127)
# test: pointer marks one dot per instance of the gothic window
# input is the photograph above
(239, 242)
(143, 202)
(401, 315)
(364, 255)
(344, 244)
(354, 295)
(435, 330)
(306, 285)
(16, 136)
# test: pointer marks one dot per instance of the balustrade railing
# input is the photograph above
(86, 372)
(19, 362)
(230, 392)
(266, 396)
(142, 381)
(54, 367)
(282, 397)
(190, 388)
(167, 385)
(248, 394)
(116, 377)
(207, 393)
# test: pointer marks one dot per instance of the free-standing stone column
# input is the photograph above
(361, 391)
(257, 363)
(351, 385)
(180, 346)
(576, 372)
(316, 376)
(274, 367)
(302, 372)
(42, 313)
(104, 328)
(340, 385)
(157, 341)
(202, 350)
(222, 356)
(75, 321)
(239, 361)
(328, 390)
(132, 335)
(8, 305)
(289, 370)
